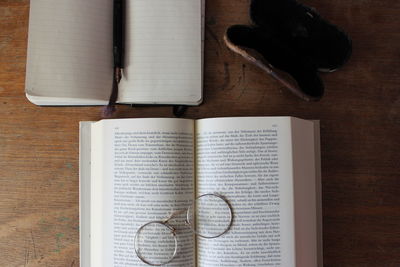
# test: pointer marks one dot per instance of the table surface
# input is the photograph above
(360, 126)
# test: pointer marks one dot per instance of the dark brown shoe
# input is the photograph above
(297, 73)
(304, 30)
(292, 43)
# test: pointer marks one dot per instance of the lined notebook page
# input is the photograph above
(163, 61)
(70, 51)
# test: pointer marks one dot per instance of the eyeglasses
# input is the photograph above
(208, 216)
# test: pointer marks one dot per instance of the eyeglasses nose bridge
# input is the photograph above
(171, 228)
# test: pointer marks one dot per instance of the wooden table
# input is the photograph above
(360, 128)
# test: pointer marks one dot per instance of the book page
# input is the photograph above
(142, 170)
(163, 60)
(69, 52)
(84, 192)
(248, 160)
(307, 199)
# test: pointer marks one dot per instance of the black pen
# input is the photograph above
(118, 53)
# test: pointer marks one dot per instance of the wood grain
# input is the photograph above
(360, 126)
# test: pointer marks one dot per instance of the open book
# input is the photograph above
(70, 54)
(133, 171)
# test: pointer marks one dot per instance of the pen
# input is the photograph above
(118, 34)
(118, 53)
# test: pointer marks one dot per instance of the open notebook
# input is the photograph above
(70, 60)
